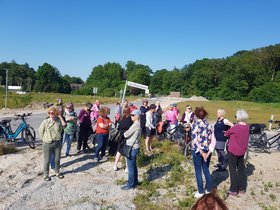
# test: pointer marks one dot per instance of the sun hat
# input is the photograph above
(136, 112)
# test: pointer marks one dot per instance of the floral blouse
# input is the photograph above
(202, 136)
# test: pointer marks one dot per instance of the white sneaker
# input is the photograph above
(126, 170)
(197, 194)
(115, 168)
(207, 192)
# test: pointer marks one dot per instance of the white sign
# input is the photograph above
(94, 90)
(137, 85)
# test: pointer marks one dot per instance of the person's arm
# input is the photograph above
(63, 123)
(129, 132)
(228, 123)
(42, 128)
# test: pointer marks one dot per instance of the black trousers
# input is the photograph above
(238, 178)
(83, 137)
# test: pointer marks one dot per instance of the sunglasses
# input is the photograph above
(132, 115)
(51, 112)
(68, 107)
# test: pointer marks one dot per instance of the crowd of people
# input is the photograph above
(224, 137)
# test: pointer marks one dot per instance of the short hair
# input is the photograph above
(222, 112)
(145, 100)
(89, 105)
(241, 115)
(200, 112)
(54, 110)
(104, 111)
(152, 106)
(210, 201)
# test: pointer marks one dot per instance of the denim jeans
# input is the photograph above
(132, 169)
(199, 164)
(50, 149)
(101, 140)
(68, 139)
(221, 158)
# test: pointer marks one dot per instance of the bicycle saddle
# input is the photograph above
(5, 121)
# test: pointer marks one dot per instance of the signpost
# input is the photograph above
(136, 85)
(121, 92)
(94, 91)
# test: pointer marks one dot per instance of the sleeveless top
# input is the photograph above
(219, 129)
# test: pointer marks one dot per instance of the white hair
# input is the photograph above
(241, 115)
(222, 112)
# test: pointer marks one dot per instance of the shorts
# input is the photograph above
(150, 132)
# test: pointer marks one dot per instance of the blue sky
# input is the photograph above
(75, 36)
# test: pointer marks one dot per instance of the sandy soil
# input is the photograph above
(94, 186)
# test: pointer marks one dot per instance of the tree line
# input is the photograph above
(247, 75)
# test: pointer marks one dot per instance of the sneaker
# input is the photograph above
(207, 192)
(125, 187)
(126, 170)
(197, 194)
(104, 158)
(115, 168)
(95, 160)
(231, 193)
(47, 178)
(60, 176)
(220, 170)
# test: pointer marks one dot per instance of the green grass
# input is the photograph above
(258, 112)
(19, 101)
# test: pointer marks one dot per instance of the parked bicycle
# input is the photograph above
(259, 141)
(26, 131)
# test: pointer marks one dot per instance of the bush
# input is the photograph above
(269, 92)
(7, 149)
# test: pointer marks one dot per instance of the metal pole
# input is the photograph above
(124, 91)
(6, 98)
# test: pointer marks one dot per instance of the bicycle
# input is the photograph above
(259, 141)
(27, 132)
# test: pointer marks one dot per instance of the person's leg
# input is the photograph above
(206, 172)
(233, 174)
(132, 169)
(147, 143)
(135, 167)
(52, 159)
(99, 145)
(80, 139)
(57, 152)
(68, 143)
(47, 154)
(223, 159)
(117, 159)
(197, 160)
(242, 179)
(104, 145)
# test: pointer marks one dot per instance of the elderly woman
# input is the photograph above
(133, 135)
(220, 127)
(102, 133)
(238, 142)
(203, 144)
(50, 132)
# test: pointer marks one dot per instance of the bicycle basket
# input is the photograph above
(257, 128)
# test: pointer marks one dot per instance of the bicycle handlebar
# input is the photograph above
(23, 115)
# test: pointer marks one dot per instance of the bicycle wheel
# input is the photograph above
(30, 137)
(188, 152)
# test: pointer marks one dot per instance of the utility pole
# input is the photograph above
(6, 98)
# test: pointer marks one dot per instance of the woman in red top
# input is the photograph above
(102, 133)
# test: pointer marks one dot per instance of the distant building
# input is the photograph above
(75, 86)
(175, 94)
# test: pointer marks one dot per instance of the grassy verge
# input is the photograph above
(168, 181)
(258, 112)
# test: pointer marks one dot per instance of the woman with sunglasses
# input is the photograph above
(50, 132)
(71, 119)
